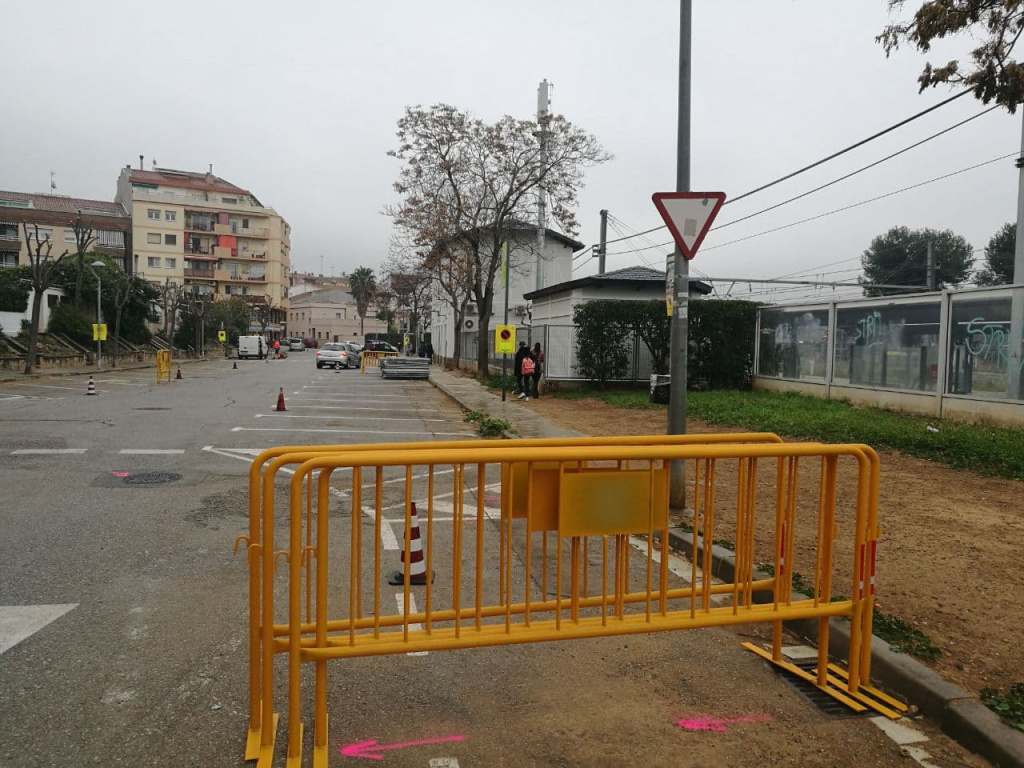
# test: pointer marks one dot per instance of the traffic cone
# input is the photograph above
(91, 389)
(234, 366)
(179, 373)
(416, 568)
(280, 400)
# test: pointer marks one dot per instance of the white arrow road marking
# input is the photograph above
(18, 622)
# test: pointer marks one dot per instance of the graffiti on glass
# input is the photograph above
(989, 341)
(869, 327)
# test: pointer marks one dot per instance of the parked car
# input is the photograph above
(355, 354)
(296, 345)
(375, 345)
(310, 342)
(334, 354)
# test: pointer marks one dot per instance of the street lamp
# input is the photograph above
(99, 321)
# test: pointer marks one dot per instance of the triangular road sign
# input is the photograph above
(688, 216)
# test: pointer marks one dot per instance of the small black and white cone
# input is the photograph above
(416, 568)
(91, 389)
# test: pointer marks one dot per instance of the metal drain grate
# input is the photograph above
(815, 695)
(151, 478)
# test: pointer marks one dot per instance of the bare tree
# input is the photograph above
(84, 238)
(264, 314)
(411, 285)
(473, 185)
(172, 300)
(43, 270)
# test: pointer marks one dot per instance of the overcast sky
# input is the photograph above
(298, 101)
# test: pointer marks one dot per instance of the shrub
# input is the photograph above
(71, 321)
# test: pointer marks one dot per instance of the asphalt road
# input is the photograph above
(123, 612)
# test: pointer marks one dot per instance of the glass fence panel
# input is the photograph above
(888, 346)
(793, 344)
(981, 340)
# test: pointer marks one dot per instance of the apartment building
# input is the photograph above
(330, 315)
(55, 216)
(208, 234)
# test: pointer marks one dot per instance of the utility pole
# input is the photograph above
(930, 280)
(543, 121)
(681, 286)
(603, 247)
(1015, 351)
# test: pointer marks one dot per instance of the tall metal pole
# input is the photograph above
(504, 355)
(604, 243)
(543, 120)
(99, 324)
(1015, 352)
(681, 287)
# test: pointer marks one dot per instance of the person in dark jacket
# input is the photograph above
(517, 368)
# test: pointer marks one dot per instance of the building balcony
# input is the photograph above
(260, 232)
(198, 249)
(10, 236)
(255, 279)
(222, 229)
(252, 299)
(205, 274)
(197, 226)
(222, 252)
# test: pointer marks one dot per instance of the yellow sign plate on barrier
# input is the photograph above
(610, 502)
(99, 332)
(505, 339)
(222, 336)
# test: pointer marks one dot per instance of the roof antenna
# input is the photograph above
(140, 162)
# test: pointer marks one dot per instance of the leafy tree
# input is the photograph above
(72, 321)
(15, 283)
(363, 284)
(234, 313)
(138, 296)
(999, 257)
(992, 74)
(900, 257)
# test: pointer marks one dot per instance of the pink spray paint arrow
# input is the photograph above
(718, 724)
(366, 748)
(115, 473)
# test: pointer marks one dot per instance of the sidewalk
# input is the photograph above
(957, 712)
(90, 370)
(471, 395)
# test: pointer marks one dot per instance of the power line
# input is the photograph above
(833, 156)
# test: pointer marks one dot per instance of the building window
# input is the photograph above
(170, 239)
(42, 235)
(153, 214)
(337, 315)
(171, 263)
(153, 262)
(245, 223)
(229, 200)
(170, 215)
(69, 236)
(8, 258)
(153, 237)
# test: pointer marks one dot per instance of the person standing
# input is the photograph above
(517, 368)
(538, 365)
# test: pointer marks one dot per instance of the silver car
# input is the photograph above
(355, 354)
(335, 355)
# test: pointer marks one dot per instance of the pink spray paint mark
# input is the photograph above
(120, 474)
(718, 724)
(367, 748)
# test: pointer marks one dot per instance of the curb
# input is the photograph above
(13, 376)
(959, 713)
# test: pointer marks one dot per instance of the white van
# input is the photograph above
(252, 346)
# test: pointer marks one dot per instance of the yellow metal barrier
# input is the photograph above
(590, 496)
(371, 358)
(163, 365)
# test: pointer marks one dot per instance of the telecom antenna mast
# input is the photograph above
(543, 132)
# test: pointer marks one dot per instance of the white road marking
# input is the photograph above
(352, 431)
(899, 732)
(356, 408)
(920, 757)
(18, 622)
(400, 599)
(46, 451)
(341, 418)
(51, 386)
(151, 451)
(22, 397)
(443, 762)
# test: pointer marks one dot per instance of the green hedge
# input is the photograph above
(15, 283)
(721, 340)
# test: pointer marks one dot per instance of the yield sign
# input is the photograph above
(688, 216)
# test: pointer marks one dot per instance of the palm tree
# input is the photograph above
(363, 286)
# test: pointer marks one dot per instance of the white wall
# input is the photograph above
(11, 321)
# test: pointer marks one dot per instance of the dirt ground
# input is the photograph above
(950, 556)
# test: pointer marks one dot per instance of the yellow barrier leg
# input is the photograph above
(320, 716)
